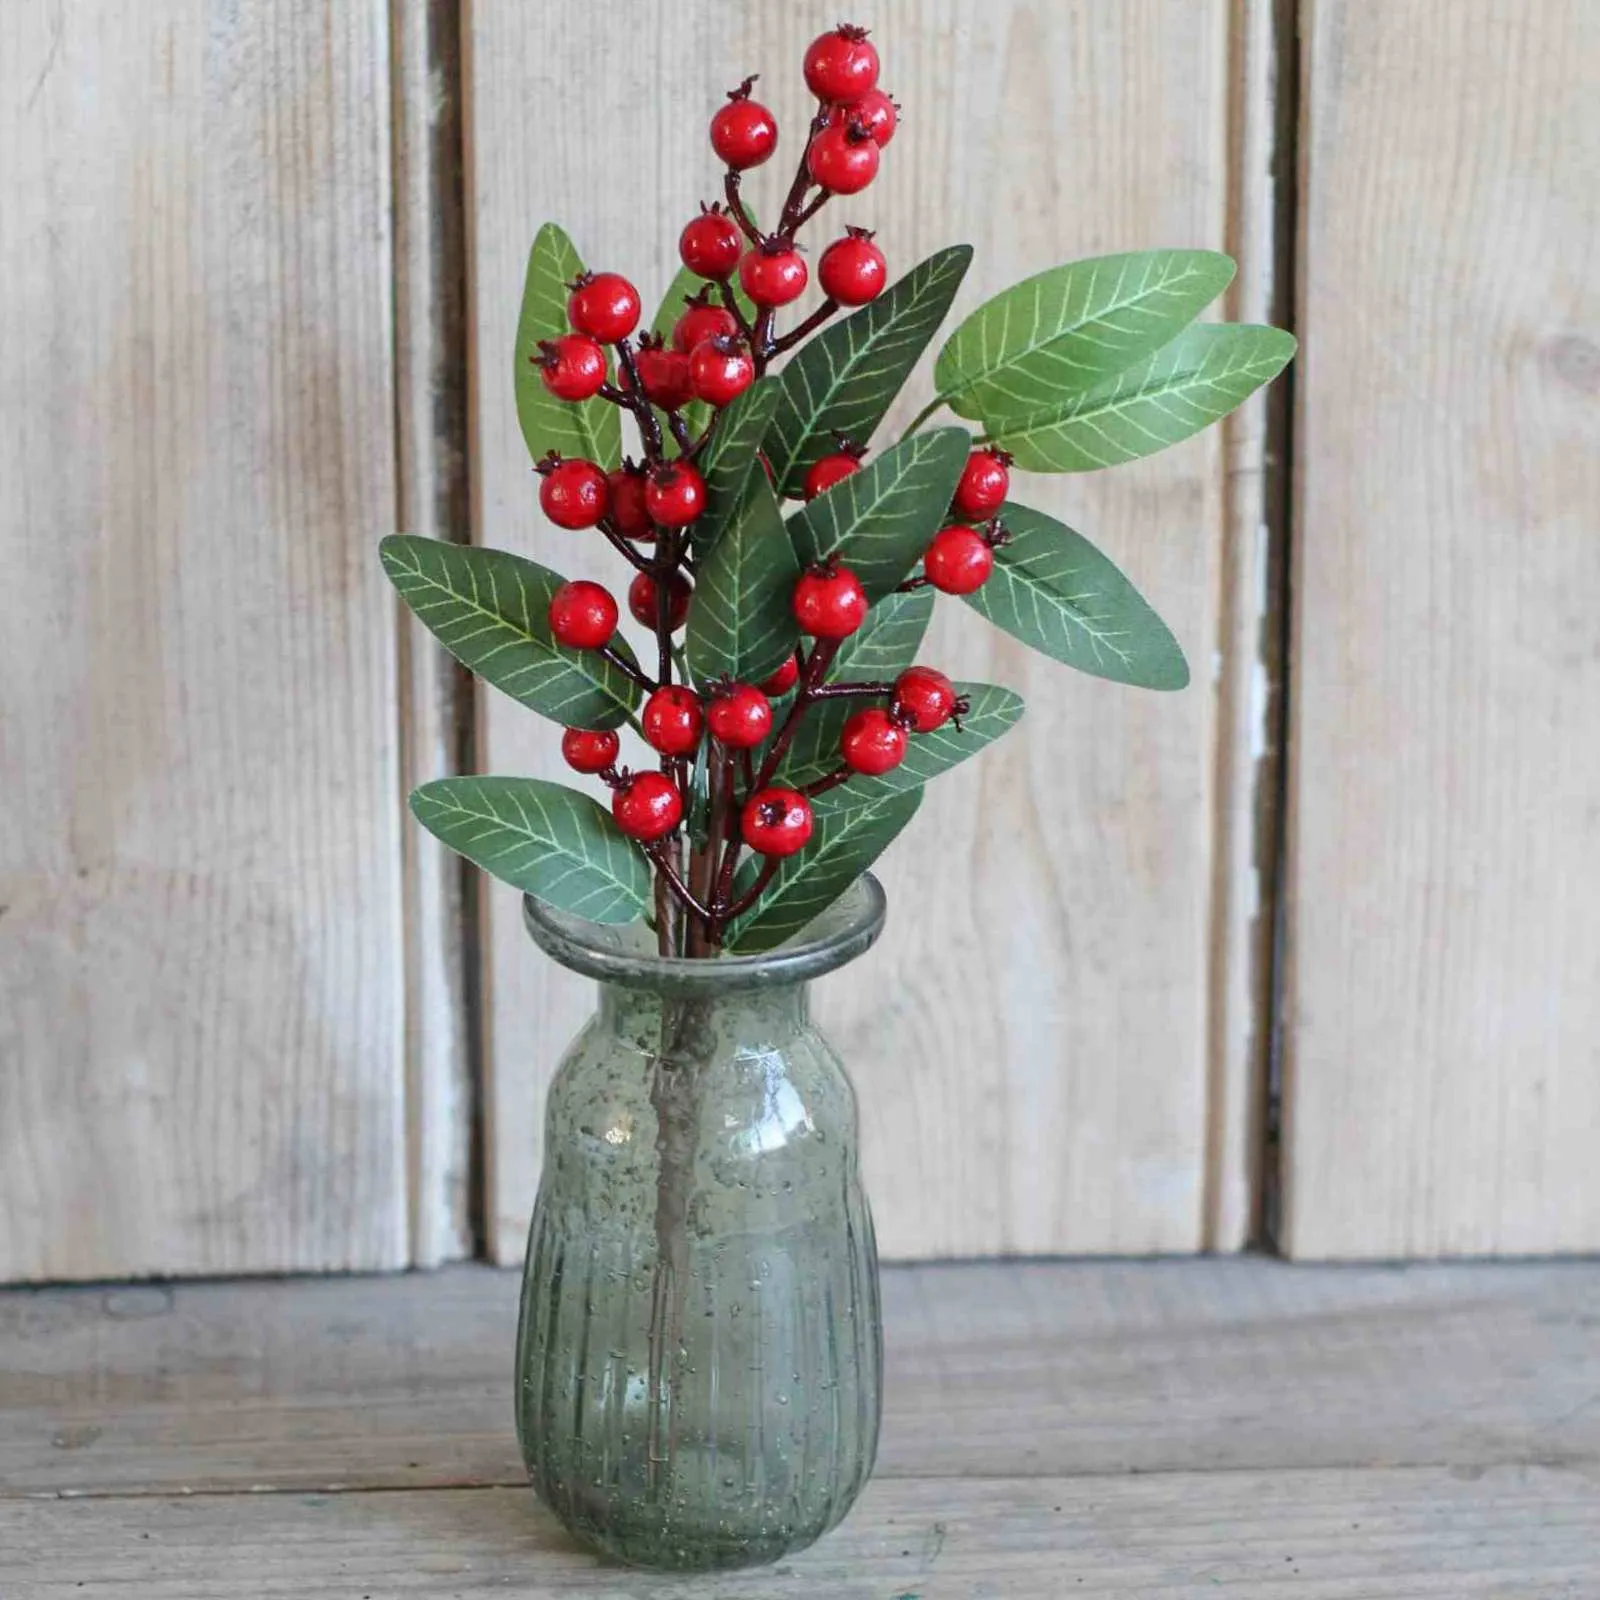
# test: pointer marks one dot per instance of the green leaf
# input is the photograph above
(729, 460)
(490, 610)
(994, 710)
(881, 648)
(844, 844)
(591, 429)
(1202, 375)
(740, 622)
(1068, 329)
(878, 521)
(551, 842)
(1055, 592)
(844, 380)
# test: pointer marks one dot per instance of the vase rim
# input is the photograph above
(620, 954)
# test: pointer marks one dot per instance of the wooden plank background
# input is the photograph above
(1443, 1031)
(1029, 1041)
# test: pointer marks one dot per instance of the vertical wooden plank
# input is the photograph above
(1030, 1039)
(200, 952)
(1443, 1081)
(436, 694)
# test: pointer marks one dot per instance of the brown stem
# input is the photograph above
(667, 870)
(811, 210)
(918, 582)
(816, 666)
(769, 865)
(633, 397)
(844, 691)
(623, 664)
(832, 780)
(680, 432)
(747, 226)
(803, 329)
(623, 548)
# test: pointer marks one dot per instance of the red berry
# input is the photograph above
(773, 277)
(604, 305)
(642, 601)
(573, 367)
(589, 750)
(983, 485)
(672, 720)
(582, 615)
(842, 64)
(701, 322)
(829, 602)
(872, 742)
(648, 806)
(664, 377)
(776, 822)
(674, 494)
(843, 160)
(743, 133)
(739, 716)
(852, 269)
(721, 368)
(958, 560)
(876, 110)
(573, 494)
(831, 470)
(783, 680)
(710, 244)
(628, 514)
(924, 696)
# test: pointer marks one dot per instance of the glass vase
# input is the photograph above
(700, 1353)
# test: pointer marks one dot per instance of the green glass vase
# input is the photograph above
(700, 1354)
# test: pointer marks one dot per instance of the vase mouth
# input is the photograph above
(624, 953)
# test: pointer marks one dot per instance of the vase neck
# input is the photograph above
(777, 1009)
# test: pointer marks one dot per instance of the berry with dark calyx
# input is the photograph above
(959, 560)
(783, 680)
(743, 132)
(841, 64)
(583, 615)
(984, 484)
(776, 821)
(604, 305)
(672, 720)
(573, 494)
(924, 697)
(852, 269)
(663, 374)
(739, 716)
(844, 160)
(829, 602)
(642, 600)
(589, 749)
(834, 468)
(573, 367)
(721, 368)
(872, 742)
(628, 514)
(700, 321)
(876, 110)
(711, 244)
(646, 805)
(674, 494)
(773, 274)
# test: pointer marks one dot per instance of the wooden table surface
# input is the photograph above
(1052, 1429)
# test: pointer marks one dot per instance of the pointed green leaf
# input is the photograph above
(740, 622)
(844, 380)
(549, 841)
(1068, 329)
(592, 428)
(994, 710)
(1055, 592)
(878, 521)
(490, 610)
(1185, 386)
(729, 460)
(843, 845)
(881, 648)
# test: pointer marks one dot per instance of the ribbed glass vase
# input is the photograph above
(700, 1353)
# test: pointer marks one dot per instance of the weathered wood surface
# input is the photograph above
(1442, 1074)
(201, 1030)
(1030, 1040)
(1168, 1428)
